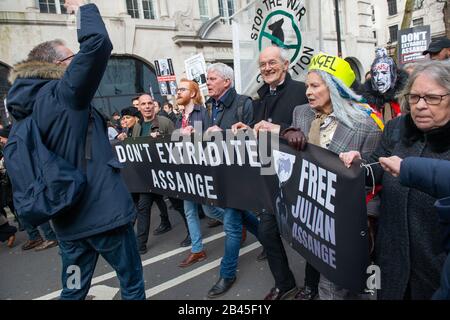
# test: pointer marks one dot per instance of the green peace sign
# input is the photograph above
(278, 42)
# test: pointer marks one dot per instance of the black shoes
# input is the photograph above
(277, 294)
(142, 250)
(186, 242)
(221, 287)
(306, 293)
(262, 256)
(163, 228)
(212, 223)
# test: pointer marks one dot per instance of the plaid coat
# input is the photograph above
(363, 137)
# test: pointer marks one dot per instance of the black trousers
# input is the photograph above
(144, 202)
(269, 236)
(276, 256)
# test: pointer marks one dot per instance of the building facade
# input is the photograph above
(144, 30)
(388, 16)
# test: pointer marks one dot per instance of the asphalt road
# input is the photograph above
(26, 275)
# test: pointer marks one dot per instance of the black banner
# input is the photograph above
(319, 204)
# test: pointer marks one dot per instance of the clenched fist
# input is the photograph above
(73, 5)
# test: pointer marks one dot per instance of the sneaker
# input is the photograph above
(46, 245)
(30, 244)
(306, 293)
(143, 250)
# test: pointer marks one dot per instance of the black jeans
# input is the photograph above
(269, 236)
(144, 202)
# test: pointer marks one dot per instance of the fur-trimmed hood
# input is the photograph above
(36, 70)
(379, 99)
(27, 79)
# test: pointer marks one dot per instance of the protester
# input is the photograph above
(386, 83)
(130, 117)
(56, 87)
(227, 107)
(408, 249)
(439, 49)
(194, 117)
(151, 125)
(335, 119)
(277, 99)
(431, 176)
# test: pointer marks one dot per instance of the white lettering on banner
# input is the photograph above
(316, 187)
(315, 219)
(416, 36)
(197, 185)
(320, 250)
(133, 153)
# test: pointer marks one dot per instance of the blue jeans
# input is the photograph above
(193, 222)
(118, 247)
(233, 220)
(33, 232)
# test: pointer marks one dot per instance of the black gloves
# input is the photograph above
(295, 138)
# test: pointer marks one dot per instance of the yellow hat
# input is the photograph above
(335, 66)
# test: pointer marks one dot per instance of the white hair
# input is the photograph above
(224, 71)
(344, 100)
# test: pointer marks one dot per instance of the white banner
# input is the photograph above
(263, 23)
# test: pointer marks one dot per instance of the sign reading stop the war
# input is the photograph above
(411, 43)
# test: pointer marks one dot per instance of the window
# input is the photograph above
(141, 9)
(393, 33)
(52, 6)
(204, 12)
(392, 7)
(226, 8)
(125, 76)
(149, 11)
(417, 22)
(418, 4)
(47, 6)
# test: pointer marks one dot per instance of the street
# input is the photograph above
(26, 275)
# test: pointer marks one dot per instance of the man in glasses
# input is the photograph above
(55, 88)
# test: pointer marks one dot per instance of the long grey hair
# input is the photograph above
(344, 100)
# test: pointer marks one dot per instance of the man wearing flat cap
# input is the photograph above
(439, 49)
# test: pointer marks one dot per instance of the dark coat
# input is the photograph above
(160, 124)
(60, 103)
(199, 115)
(278, 108)
(408, 245)
(431, 176)
(228, 110)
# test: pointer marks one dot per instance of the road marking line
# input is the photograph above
(147, 262)
(194, 273)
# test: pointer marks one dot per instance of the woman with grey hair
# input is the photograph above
(409, 251)
(334, 119)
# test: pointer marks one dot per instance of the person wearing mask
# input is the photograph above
(408, 246)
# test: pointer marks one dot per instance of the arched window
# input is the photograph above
(124, 78)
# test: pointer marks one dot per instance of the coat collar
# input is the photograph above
(438, 139)
(265, 89)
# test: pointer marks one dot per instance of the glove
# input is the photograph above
(295, 138)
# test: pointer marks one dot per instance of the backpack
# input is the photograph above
(44, 184)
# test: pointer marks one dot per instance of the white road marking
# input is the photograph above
(147, 262)
(194, 273)
(103, 292)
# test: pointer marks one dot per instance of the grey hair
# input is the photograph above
(344, 100)
(438, 71)
(224, 71)
(46, 51)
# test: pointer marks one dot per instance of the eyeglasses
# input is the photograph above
(271, 64)
(182, 89)
(431, 99)
(67, 58)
